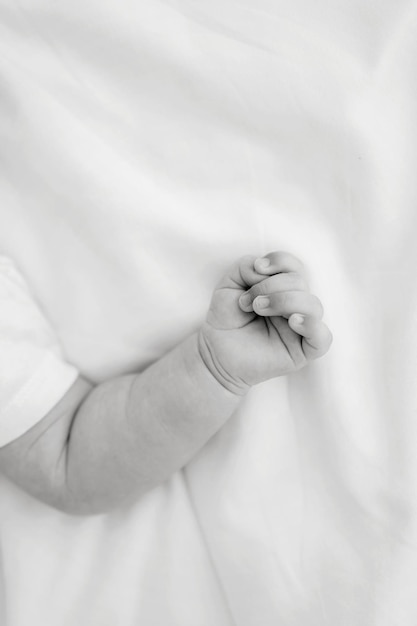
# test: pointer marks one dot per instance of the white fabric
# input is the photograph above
(146, 145)
(33, 374)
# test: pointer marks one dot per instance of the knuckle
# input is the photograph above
(279, 257)
(246, 260)
(329, 338)
(297, 281)
(287, 259)
(244, 268)
(317, 306)
(324, 340)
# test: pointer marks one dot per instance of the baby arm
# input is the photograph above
(101, 446)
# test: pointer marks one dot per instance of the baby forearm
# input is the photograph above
(131, 433)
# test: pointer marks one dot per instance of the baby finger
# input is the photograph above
(277, 262)
(317, 338)
(288, 281)
(286, 303)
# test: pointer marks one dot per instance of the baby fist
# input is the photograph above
(262, 322)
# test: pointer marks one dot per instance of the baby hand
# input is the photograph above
(262, 323)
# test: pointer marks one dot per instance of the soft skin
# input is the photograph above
(102, 446)
(262, 322)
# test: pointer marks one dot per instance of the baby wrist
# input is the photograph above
(215, 368)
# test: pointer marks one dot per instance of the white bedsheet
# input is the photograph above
(144, 146)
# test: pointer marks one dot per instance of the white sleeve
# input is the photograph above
(33, 374)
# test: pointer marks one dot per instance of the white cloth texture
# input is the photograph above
(144, 147)
(33, 373)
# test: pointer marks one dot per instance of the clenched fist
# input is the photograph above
(262, 322)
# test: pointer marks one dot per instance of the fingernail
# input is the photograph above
(262, 263)
(298, 319)
(261, 302)
(245, 299)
